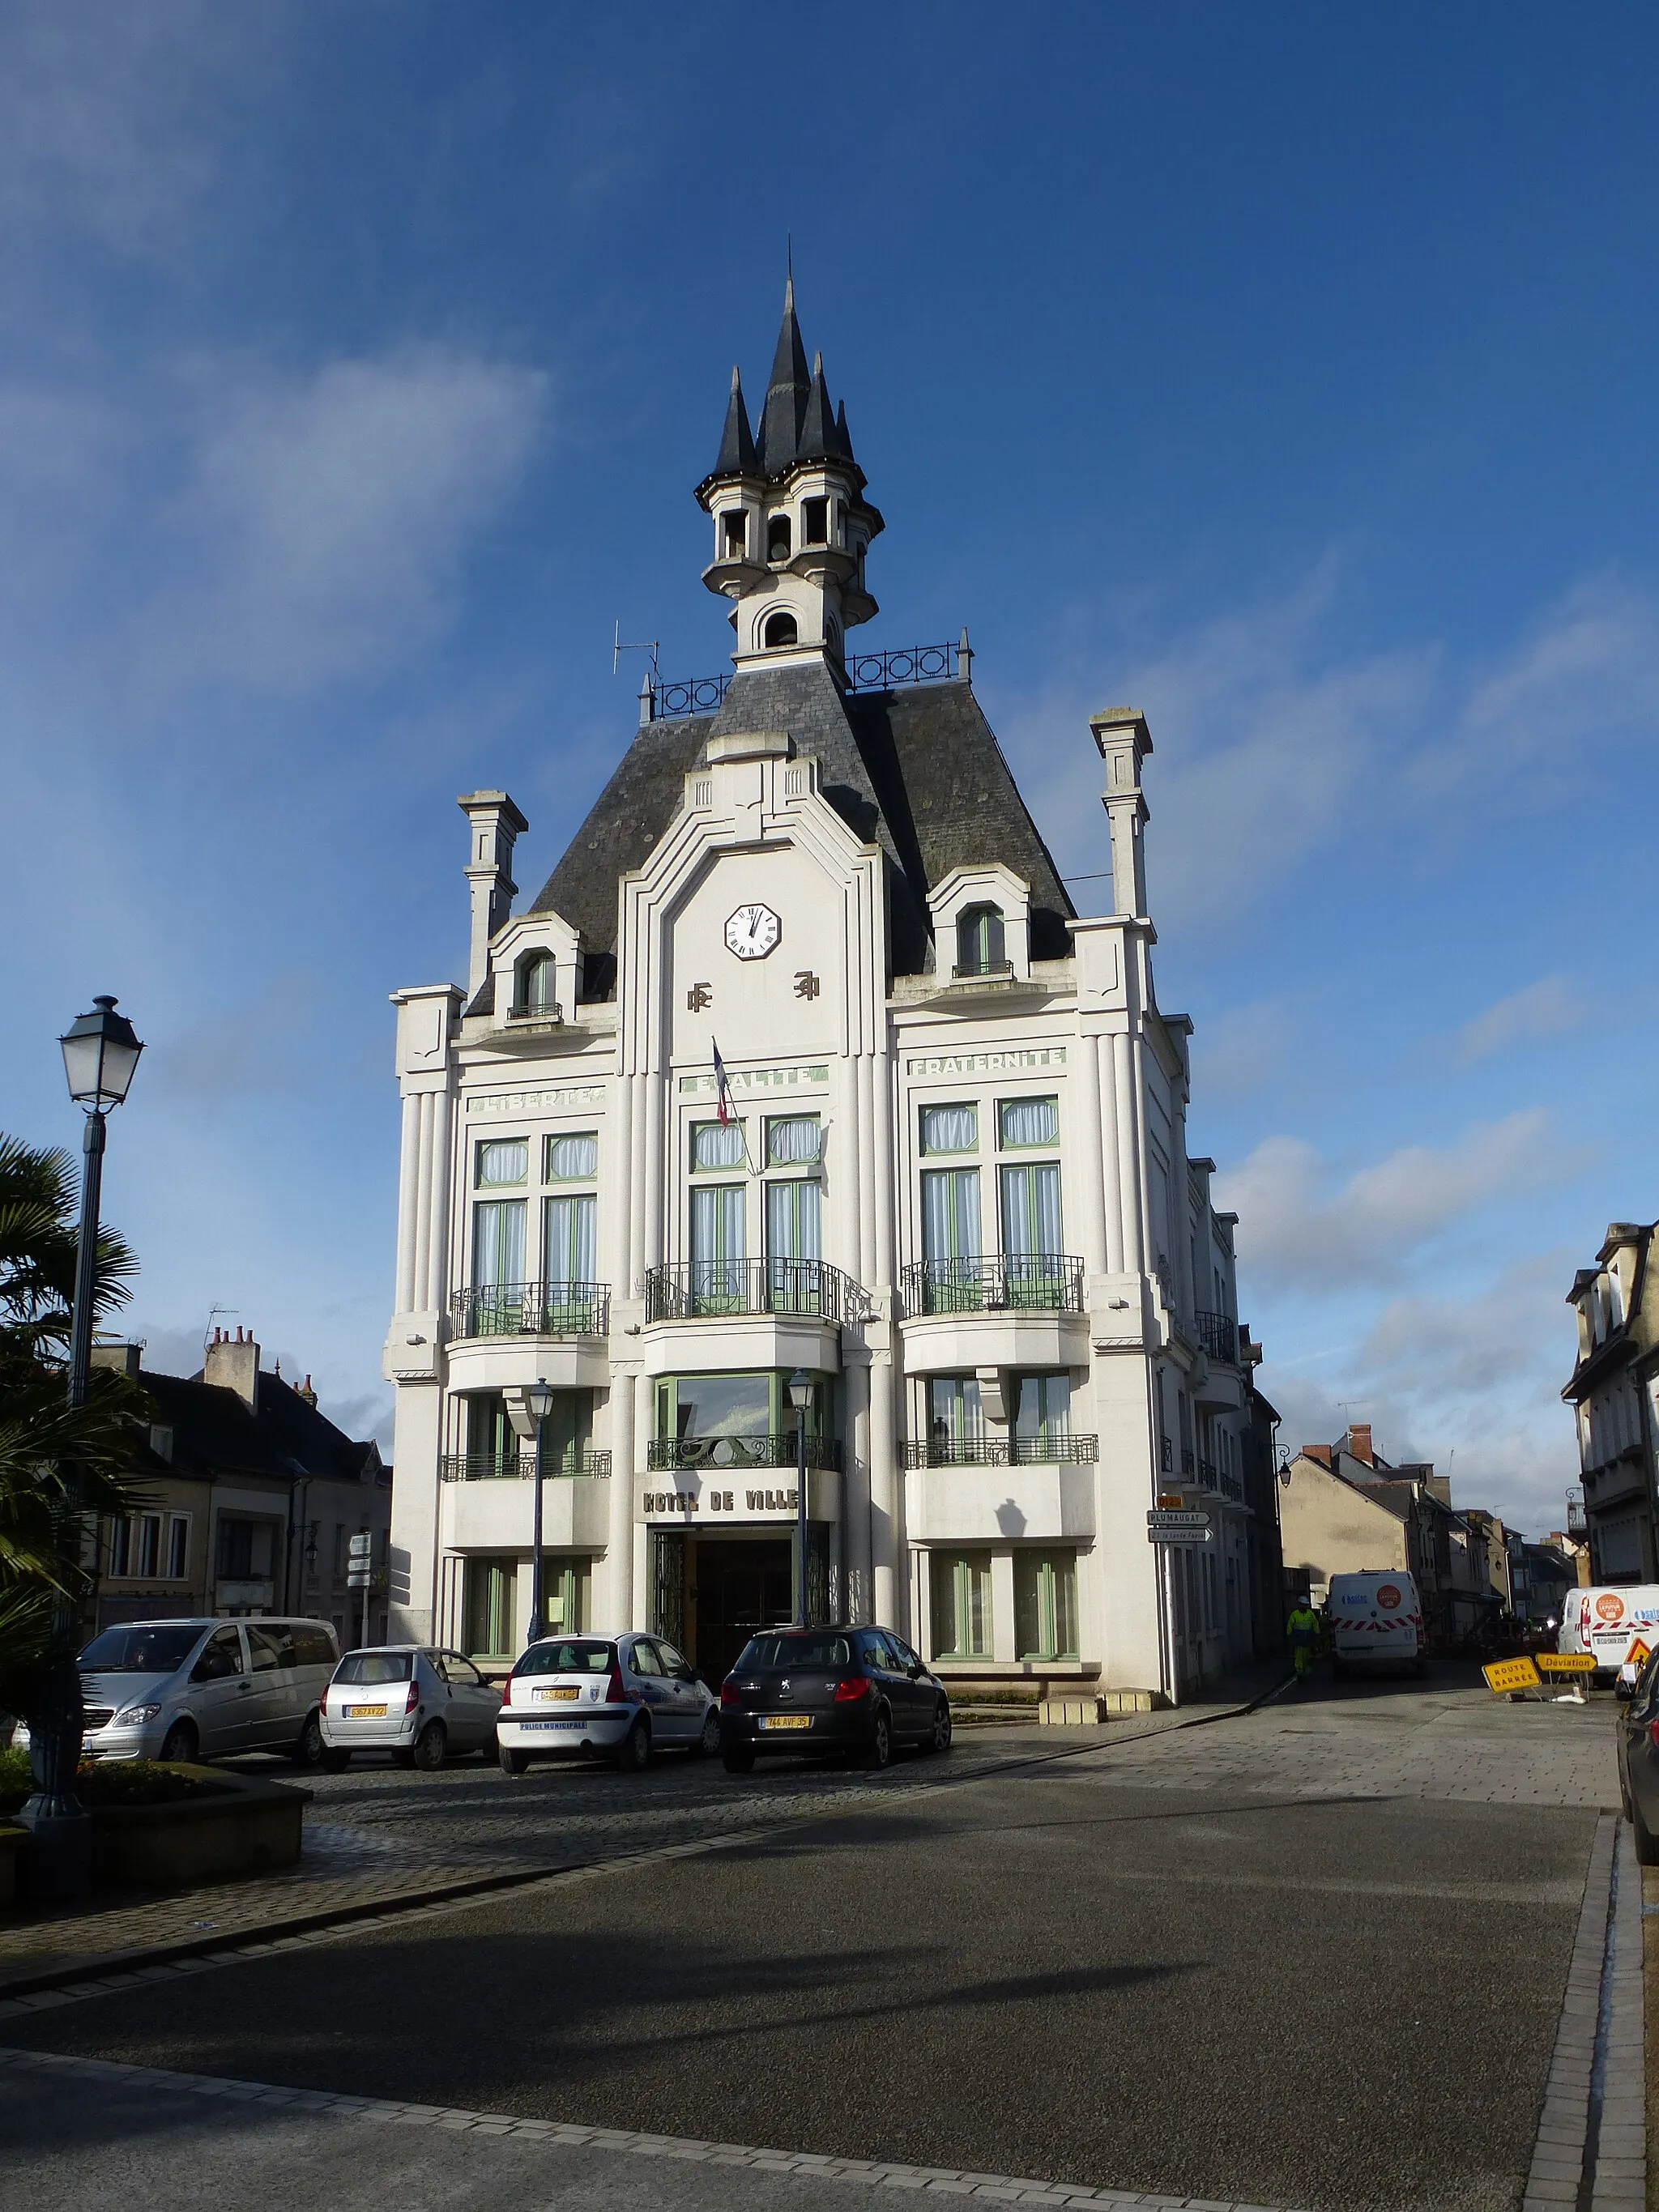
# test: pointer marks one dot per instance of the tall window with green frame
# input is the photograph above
(1043, 1415)
(488, 1607)
(498, 1235)
(570, 1262)
(949, 1210)
(961, 1591)
(980, 941)
(718, 1239)
(492, 1442)
(793, 1212)
(1045, 1604)
(1031, 1236)
(956, 1421)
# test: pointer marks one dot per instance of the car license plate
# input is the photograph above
(575, 1721)
(551, 1697)
(365, 1713)
(787, 1721)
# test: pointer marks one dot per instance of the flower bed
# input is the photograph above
(98, 1783)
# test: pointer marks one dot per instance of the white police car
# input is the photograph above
(615, 1697)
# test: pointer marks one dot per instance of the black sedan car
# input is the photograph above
(851, 1692)
(1638, 1762)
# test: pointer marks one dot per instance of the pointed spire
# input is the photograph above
(817, 429)
(843, 441)
(738, 457)
(787, 394)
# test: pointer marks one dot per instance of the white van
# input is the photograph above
(1607, 1622)
(203, 1689)
(1376, 1621)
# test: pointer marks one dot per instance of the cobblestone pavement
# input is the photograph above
(378, 1833)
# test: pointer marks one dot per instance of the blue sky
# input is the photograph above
(1287, 371)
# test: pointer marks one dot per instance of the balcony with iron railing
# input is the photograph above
(723, 1454)
(1218, 1334)
(1578, 1524)
(704, 1290)
(531, 1309)
(1012, 1282)
(1001, 1451)
(520, 1466)
(668, 700)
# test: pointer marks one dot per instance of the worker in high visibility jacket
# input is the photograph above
(1302, 1629)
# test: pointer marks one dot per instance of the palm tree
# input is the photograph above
(41, 1434)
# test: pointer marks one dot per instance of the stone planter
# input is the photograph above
(246, 1826)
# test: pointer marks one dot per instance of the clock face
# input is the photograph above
(752, 931)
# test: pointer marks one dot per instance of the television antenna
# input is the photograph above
(651, 646)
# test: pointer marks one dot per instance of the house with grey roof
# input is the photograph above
(803, 1078)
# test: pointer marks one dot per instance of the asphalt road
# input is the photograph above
(1199, 1987)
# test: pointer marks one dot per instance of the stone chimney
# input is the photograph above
(233, 1364)
(305, 1392)
(1359, 1441)
(125, 1356)
(1320, 1453)
(493, 824)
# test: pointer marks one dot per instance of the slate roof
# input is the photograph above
(214, 1433)
(917, 770)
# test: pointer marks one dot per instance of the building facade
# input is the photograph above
(1612, 1391)
(251, 1497)
(803, 1064)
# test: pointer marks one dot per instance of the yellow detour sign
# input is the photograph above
(1566, 1663)
(1511, 1674)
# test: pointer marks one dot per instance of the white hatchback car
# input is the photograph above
(416, 1702)
(620, 1697)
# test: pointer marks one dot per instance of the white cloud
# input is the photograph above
(1543, 1009)
(1239, 1049)
(327, 519)
(1303, 1226)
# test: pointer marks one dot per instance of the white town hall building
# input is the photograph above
(951, 1182)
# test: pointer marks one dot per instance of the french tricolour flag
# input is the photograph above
(722, 1090)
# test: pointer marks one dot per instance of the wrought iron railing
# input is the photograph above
(1218, 1334)
(1001, 1451)
(1577, 1525)
(722, 1453)
(1208, 1473)
(531, 1309)
(698, 1290)
(1189, 1460)
(1233, 1488)
(1014, 1282)
(662, 701)
(996, 969)
(517, 1466)
(908, 664)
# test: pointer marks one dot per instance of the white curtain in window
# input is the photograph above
(503, 1160)
(949, 1128)
(793, 1213)
(571, 1159)
(1030, 1210)
(498, 1242)
(717, 1145)
(790, 1142)
(571, 1254)
(717, 1222)
(950, 1214)
(1030, 1122)
(1044, 1406)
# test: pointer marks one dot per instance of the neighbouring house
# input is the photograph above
(254, 1496)
(802, 1073)
(1612, 1393)
(1343, 1510)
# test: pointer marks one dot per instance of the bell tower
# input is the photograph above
(791, 521)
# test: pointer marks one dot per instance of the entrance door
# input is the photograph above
(742, 1586)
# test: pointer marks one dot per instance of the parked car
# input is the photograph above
(620, 1697)
(1638, 1761)
(418, 1702)
(205, 1689)
(846, 1690)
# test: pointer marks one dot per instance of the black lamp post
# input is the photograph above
(800, 1397)
(100, 1054)
(538, 1405)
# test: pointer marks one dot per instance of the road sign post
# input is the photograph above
(1166, 1526)
(360, 1570)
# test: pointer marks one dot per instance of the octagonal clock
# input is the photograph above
(752, 931)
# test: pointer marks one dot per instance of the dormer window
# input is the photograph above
(781, 629)
(979, 941)
(737, 534)
(533, 984)
(777, 537)
(815, 522)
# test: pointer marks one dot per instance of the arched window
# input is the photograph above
(533, 983)
(781, 629)
(979, 941)
(777, 538)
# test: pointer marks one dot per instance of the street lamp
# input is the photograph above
(100, 1054)
(539, 1407)
(800, 1397)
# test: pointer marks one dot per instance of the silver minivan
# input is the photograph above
(204, 1689)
